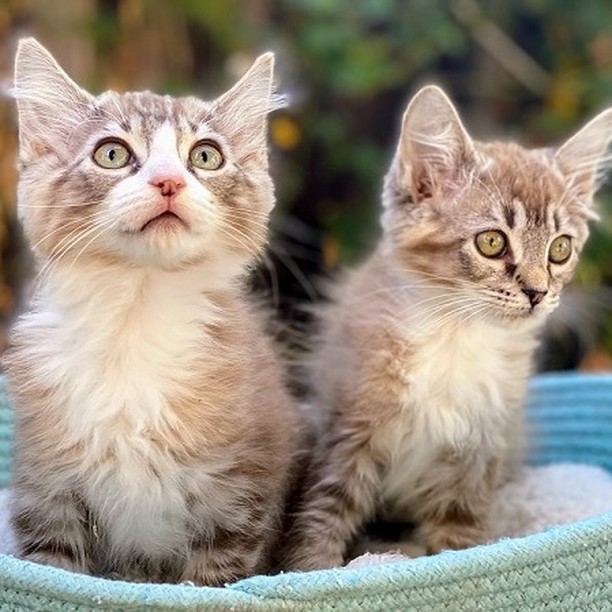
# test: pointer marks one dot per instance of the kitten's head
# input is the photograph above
(142, 178)
(501, 224)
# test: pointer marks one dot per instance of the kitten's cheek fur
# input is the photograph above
(154, 435)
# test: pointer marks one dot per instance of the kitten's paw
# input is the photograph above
(452, 537)
(202, 571)
(312, 560)
(58, 560)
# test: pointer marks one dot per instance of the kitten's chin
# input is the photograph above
(178, 251)
(162, 245)
(523, 317)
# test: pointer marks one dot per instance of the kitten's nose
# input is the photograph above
(535, 296)
(169, 186)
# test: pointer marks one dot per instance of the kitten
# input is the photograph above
(427, 347)
(154, 434)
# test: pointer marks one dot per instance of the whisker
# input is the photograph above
(250, 245)
(431, 314)
(103, 228)
(433, 323)
(66, 246)
(290, 264)
(62, 228)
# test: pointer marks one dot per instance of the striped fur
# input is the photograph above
(154, 435)
(426, 348)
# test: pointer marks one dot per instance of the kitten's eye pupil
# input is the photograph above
(112, 155)
(491, 243)
(560, 249)
(206, 156)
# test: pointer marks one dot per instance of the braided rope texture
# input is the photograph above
(564, 568)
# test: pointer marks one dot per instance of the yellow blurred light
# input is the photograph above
(331, 252)
(285, 132)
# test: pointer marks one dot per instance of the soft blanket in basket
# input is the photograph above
(563, 568)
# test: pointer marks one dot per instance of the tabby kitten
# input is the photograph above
(154, 434)
(426, 349)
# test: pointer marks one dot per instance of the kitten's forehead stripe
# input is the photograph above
(520, 214)
(144, 112)
(193, 126)
(509, 215)
(525, 178)
(537, 216)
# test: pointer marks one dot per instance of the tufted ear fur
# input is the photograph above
(243, 110)
(434, 147)
(583, 159)
(51, 106)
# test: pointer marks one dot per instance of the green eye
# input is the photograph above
(112, 154)
(491, 243)
(560, 249)
(206, 156)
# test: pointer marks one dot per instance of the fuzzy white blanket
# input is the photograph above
(540, 498)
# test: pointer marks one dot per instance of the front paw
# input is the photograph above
(313, 556)
(453, 537)
(213, 568)
(56, 559)
(312, 563)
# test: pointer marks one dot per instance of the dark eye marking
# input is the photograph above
(509, 215)
(510, 268)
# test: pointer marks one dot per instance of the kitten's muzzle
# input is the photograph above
(169, 187)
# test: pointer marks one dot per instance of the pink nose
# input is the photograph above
(168, 185)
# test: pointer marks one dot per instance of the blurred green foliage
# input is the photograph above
(534, 70)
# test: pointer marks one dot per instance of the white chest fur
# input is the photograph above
(462, 389)
(123, 343)
(121, 346)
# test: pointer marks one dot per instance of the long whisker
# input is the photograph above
(68, 242)
(67, 245)
(434, 321)
(457, 315)
(274, 282)
(70, 223)
(431, 314)
(103, 227)
(290, 264)
(248, 243)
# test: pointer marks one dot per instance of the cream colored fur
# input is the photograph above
(425, 349)
(155, 438)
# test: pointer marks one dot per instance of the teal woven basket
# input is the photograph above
(566, 568)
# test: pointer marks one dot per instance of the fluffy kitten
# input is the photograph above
(426, 349)
(154, 434)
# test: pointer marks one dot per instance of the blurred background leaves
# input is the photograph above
(534, 70)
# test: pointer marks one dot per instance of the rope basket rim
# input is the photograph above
(570, 562)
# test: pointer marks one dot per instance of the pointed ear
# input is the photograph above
(434, 146)
(243, 110)
(50, 104)
(583, 158)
